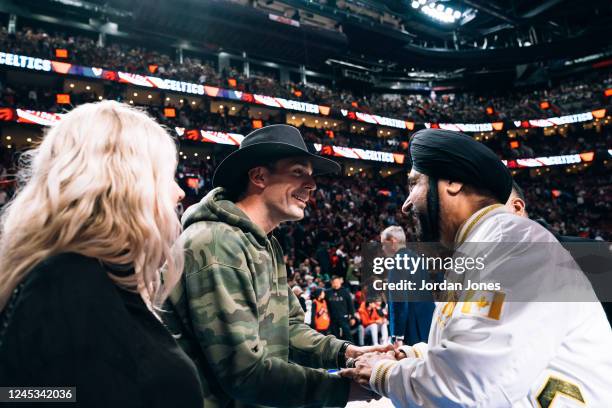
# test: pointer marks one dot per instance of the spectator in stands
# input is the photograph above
(374, 321)
(80, 250)
(320, 320)
(410, 315)
(341, 309)
(297, 291)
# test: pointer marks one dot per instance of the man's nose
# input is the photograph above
(310, 184)
(407, 206)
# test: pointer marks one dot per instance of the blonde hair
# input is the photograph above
(100, 185)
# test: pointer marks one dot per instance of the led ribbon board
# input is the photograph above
(65, 68)
(39, 64)
(234, 139)
(359, 154)
(550, 160)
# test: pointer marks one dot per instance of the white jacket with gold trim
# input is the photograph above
(490, 353)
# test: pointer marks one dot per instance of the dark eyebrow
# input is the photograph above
(301, 165)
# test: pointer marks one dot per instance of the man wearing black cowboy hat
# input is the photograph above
(239, 318)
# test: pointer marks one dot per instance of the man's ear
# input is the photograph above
(258, 176)
(519, 207)
(451, 187)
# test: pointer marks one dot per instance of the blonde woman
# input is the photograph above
(81, 246)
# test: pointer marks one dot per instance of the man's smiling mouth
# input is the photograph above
(303, 199)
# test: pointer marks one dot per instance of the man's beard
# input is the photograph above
(427, 220)
(423, 229)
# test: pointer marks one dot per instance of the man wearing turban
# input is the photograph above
(538, 338)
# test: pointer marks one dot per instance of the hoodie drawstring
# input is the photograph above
(274, 265)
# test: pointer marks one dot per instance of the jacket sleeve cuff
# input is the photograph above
(419, 350)
(379, 379)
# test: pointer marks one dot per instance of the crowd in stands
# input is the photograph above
(573, 139)
(568, 97)
(575, 205)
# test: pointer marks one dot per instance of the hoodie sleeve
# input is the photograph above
(224, 315)
(322, 351)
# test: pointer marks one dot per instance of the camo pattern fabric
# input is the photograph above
(238, 319)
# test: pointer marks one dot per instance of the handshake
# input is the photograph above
(360, 361)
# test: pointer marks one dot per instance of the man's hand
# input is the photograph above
(363, 367)
(354, 351)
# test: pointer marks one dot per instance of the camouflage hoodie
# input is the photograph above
(239, 320)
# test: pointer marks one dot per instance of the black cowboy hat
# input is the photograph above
(266, 145)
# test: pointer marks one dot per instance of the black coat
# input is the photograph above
(70, 325)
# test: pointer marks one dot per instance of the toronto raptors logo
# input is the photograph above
(7, 114)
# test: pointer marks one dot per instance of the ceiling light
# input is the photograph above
(456, 14)
(415, 4)
(437, 13)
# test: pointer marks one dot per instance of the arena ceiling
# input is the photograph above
(491, 36)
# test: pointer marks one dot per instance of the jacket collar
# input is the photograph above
(475, 220)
